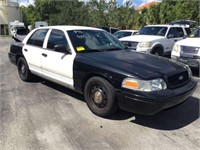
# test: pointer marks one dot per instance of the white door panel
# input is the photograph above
(32, 49)
(58, 65)
(33, 56)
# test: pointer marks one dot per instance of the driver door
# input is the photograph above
(58, 66)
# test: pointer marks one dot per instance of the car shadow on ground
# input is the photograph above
(58, 87)
(170, 119)
(64, 90)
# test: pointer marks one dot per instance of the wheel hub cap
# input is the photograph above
(98, 97)
(23, 69)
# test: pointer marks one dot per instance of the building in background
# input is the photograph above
(146, 6)
(9, 11)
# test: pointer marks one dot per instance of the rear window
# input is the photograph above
(22, 31)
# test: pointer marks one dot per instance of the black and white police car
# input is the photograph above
(96, 64)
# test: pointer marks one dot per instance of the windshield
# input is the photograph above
(93, 40)
(195, 33)
(121, 34)
(153, 30)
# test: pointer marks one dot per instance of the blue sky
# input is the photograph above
(136, 3)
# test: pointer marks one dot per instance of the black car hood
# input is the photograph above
(135, 63)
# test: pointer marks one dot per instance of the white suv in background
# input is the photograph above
(188, 50)
(123, 33)
(156, 39)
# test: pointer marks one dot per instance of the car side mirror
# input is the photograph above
(170, 36)
(62, 48)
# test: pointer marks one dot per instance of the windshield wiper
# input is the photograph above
(113, 49)
(100, 50)
(91, 50)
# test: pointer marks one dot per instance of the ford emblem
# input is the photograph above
(180, 78)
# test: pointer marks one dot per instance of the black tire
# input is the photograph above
(23, 70)
(100, 97)
(157, 51)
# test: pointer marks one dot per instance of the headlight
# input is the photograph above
(145, 44)
(144, 85)
(198, 49)
(176, 48)
(189, 70)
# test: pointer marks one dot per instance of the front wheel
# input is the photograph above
(23, 70)
(157, 51)
(100, 96)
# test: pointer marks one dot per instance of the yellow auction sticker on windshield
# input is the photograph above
(80, 48)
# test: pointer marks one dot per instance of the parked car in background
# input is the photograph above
(14, 26)
(109, 29)
(189, 23)
(97, 65)
(188, 50)
(18, 31)
(40, 24)
(156, 39)
(20, 34)
(124, 33)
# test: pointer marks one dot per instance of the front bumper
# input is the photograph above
(149, 103)
(191, 62)
(143, 50)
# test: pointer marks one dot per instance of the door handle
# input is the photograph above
(25, 50)
(43, 54)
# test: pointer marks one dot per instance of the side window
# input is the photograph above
(188, 31)
(172, 33)
(180, 32)
(37, 38)
(32, 38)
(56, 37)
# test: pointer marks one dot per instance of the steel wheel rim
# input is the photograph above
(22, 69)
(98, 96)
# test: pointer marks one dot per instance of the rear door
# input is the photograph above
(58, 66)
(33, 49)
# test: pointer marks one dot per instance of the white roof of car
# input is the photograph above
(165, 25)
(128, 31)
(69, 27)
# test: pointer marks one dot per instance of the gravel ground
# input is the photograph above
(43, 115)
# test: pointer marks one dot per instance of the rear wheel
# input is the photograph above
(23, 70)
(100, 96)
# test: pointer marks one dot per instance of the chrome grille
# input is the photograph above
(178, 79)
(130, 44)
(188, 49)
